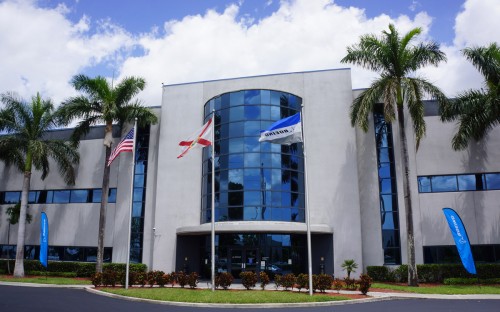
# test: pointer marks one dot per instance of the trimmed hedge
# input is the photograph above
(471, 281)
(432, 273)
(81, 269)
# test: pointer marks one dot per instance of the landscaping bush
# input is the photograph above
(192, 280)
(248, 279)
(53, 274)
(264, 279)
(365, 282)
(96, 279)
(160, 278)
(302, 281)
(324, 282)
(288, 281)
(350, 284)
(223, 280)
(132, 276)
(277, 281)
(337, 284)
(471, 281)
(109, 278)
(380, 273)
(181, 278)
(141, 278)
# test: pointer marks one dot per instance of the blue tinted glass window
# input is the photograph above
(12, 197)
(139, 180)
(33, 197)
(235, 161)
(252, 128)
(252, 160)
(236, 129)
(444, 183)
(424, 184)
(236, 98)
(112, 195)
(265, 113)
(492, 181)
(224, 101)
(236, 113)
(61, 197)
(387, 186)
(384, 170)
(275, 113)
(467, 182)
(96, 195)
(236, 145)
(252, 179)
(252, 112)
(390, 220)
(79, 196)
(252, 144)
(252, 97)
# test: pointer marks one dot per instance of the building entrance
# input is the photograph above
(243, 259)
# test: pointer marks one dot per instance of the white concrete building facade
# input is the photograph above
(354, 186)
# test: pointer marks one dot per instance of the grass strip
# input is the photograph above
(45, 280)
(443, 289)
(221, 296)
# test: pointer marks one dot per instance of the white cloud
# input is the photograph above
(475, 25)
(302, 35)
(41, 49)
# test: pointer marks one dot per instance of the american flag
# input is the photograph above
(126, 145)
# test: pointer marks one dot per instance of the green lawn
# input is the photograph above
(443, 289)
(45, 280)
(221, 296)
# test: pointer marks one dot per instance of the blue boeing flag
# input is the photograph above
(285, 131)
(461, 240)
(44, 239)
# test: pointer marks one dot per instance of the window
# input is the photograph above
(460, 182)
(58, 196)
(253, 180)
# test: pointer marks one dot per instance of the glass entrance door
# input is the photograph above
(243, 260)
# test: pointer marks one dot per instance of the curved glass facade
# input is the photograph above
(254, 181)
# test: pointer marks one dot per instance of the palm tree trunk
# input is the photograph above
(102, 212)
(19, 266)
(412, 267)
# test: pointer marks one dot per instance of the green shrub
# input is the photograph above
(380, 273)
(365, 282)
(141, 278)
(471, 281)
(400, 274)
(181, 278)
(159, 278)
(53, 274)
(277, 281)
(302, 281)
(248, 279)
(264, 279)
(96, 279)
(223, 280)
(109, 278)
(324, 282)
(288, 281)
(350, 284)
(337, 284)
(192, 280)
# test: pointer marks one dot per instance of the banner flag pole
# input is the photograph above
(308, 215)
(213, 201)
(127, 267)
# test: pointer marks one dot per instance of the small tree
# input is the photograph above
(349, 265)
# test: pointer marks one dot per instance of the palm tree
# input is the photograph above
(103, 103)
(350, 266)
(396, 60)
(13, 213)
(477, 111)
(25, 147)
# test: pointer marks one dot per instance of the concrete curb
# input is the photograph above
(42, 285)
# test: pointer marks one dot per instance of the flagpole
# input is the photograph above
(213, 201)
(130, 207)
(308, 215)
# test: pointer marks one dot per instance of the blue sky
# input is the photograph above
(167, 41)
